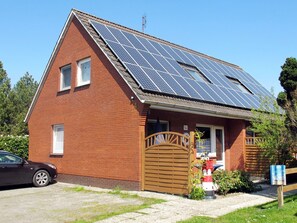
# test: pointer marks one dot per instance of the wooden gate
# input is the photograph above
(166, 162)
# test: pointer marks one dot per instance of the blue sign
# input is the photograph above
(278, 175)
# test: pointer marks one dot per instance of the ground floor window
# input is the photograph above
(154, 126)
(212, 142)
(58, 139)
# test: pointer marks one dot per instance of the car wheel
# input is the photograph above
(41, 178)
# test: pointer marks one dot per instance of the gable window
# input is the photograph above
(84, 72)
(195, 73)
(58, 139)
(239, 85)
(65, 82)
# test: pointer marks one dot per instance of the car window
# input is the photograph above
(7, 158)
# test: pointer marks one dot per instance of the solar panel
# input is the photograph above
(160, 67)
(138, 58)
(120, 36)
(147, 45)
(140, 76)
(156, 78)
(188, 88)
(174, 84)
(120, 51)
(135, 42)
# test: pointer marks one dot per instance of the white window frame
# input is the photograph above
(80, 82)
(213, 129)
(58, 149)
(62, 88)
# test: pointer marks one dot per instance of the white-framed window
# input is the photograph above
(212, 142)
(58, 139)
(65, 80)
(84, 72)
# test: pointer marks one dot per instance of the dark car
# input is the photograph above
(16, 170)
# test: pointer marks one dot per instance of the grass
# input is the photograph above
(268, 212)
(99, 212)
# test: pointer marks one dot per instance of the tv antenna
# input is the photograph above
(143, 23)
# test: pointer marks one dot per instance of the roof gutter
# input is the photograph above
(196, 111)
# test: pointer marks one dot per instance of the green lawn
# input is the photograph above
(263, 213)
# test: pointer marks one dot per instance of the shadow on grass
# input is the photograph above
(272, 204)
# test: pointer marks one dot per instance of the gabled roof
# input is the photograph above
(169, 90)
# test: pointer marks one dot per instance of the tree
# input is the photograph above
(21, 96)
(269, 123)
(5, 88)
(288, 99)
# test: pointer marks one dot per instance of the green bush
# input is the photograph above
(17, 145)
(233, 181)
(197, 193)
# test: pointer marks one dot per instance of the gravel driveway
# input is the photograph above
(60, 203)
(55, 203)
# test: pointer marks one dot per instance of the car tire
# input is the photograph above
(41, 178)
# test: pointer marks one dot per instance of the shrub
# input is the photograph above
(197, 192)
(233, 181)
(17, 145)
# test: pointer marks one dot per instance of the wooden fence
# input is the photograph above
(281, 189)
(255, 162)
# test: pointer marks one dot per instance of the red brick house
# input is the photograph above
(105, 86)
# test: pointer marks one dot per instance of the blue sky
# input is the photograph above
(256, 35)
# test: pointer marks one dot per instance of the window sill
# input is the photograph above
(63, 92)
(83, 84)
(65, 89)
(82, 87)
(56, 155)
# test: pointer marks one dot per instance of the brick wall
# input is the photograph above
(234, 132)
(101, 125)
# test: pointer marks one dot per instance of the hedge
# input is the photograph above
(17, 145)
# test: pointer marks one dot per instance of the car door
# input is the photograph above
(13, 170)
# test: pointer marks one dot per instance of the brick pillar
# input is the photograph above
(236, 145)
